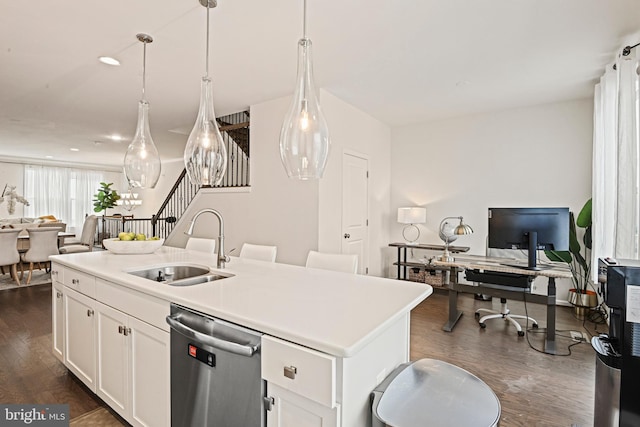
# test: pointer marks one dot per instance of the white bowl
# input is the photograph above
(132, 247)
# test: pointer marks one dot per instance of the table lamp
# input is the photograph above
(411, 217)
(449, 235)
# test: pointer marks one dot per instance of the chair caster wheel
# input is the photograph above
(477, 315)
(520, 333)
(534, 326)
(483, 325)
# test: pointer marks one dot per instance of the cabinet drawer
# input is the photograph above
(81, 282)
(145, 307)
(307, 372)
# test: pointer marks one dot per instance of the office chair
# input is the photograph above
(521, 284)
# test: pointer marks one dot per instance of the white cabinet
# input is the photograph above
(57, 317)
(301, 384)
(133, 367)
(293, 410)
(98, 334)
(80, 348)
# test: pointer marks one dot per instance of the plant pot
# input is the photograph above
(587, 299)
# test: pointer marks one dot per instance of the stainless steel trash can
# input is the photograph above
(433, 393)
(606, 409)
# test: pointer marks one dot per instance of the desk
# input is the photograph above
(469, 262)
(402, 262)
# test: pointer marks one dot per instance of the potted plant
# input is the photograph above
(579, 261)
(105, 198)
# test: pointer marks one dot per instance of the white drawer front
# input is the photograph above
(81, 282)
(145, 307)
(307, 372)
(57, 273)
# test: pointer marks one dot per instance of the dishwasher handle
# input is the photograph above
(231, 347)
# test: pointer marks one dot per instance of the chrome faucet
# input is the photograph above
(222, 258)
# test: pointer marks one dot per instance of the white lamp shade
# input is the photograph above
(412, 215)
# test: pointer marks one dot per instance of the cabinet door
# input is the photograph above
(150, 375)
(113, 358)
(57, 320)
(292, 410)
(80, 345)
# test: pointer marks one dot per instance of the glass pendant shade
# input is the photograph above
(304, 137)
(205, 156)
(142, 161)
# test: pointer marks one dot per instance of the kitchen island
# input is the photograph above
(357, 326)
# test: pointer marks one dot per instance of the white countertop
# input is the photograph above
(336, 313)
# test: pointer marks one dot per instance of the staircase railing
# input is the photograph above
(235, 133)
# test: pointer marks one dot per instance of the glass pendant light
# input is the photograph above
(205, 156)
(142, 161)
(304, 137)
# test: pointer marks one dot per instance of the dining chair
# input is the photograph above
(43, 242)
(87, 238)
(346, 263)
(9, 255)
(201, 244)
(258, 252)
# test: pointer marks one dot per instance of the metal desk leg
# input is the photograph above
(399, 260)
(454, 314)
(550, 340)
(404, 260)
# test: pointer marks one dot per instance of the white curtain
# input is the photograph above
(63, 192)
(616, 162)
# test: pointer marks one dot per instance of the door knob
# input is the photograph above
(347, 235)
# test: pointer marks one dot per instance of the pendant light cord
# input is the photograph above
(304, 20)
(144, 69)
(207, 54)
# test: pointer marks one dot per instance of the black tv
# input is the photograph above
(530, 229)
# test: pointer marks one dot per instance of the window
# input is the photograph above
(64, 193)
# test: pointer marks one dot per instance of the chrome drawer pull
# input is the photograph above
(290, 372)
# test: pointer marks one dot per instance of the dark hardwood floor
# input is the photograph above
(29, 372)
(534, 389)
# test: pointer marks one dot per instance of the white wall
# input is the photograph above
(277, 210)
(536, 156)
(354, 131)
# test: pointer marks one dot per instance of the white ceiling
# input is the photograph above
(401, 61)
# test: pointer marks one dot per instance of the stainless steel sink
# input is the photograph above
(179, 275)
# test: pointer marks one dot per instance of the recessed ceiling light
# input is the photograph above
(48, 157)
(116, 137)
(108, 60)
(74, 149)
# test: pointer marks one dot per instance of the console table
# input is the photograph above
(482, 264)
(402, 262)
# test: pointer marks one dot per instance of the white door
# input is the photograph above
(292, 410)
(150, 375)
(57, 320)
(355, 209)
(80, 348)
(113, 358)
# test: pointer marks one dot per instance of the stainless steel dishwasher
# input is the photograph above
(215, 372)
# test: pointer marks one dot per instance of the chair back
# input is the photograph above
(43, 242)
(259, 252)
(61, 225)
(346, 263)
(89, 231)
(9, 246)
(201, 244)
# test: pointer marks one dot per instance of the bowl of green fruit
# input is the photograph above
(132, 243)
